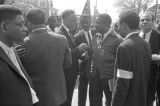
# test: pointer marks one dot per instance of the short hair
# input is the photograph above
(148, 13)
(8, 12)
(50, 17)
(130, 18)
(105, 18)
(84, 16)
(35, 16)
(66, 13)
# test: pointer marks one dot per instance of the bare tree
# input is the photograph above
(135, 5)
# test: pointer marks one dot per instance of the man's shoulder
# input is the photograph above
(155, 33)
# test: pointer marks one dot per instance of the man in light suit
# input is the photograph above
(47, 55)
(153, 38)
(69, 23)
(16, 87)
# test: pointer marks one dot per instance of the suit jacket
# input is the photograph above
(85, 65)
(47, 56)
(14, 89)
(104, 57)
(154, 42)
(74, 69)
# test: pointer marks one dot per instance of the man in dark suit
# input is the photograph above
(84, 36)
(47, 55)
(16, 87)
(132, 69)
(69, 23)
(153, 38)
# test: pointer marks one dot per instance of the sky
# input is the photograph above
(103, 6)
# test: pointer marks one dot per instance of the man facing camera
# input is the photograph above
(47, 55)
(16, 87)
(104, 44)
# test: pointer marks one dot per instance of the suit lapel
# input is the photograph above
(4, 57)
(22, 68)
(67, 36)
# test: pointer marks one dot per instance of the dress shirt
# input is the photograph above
(147, 37)
(86, 36)
(11, 54)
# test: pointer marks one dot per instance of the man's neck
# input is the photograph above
(146, 31)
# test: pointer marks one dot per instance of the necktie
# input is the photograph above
(89, 43)
(144, 36)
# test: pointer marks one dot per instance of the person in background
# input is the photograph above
(69, 23)
(47, 55)
(52, 23)
(104, 45)
(132, 69)
(16, 87)
(152, 37)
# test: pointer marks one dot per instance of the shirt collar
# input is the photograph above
(130, 34)
(38, 29)
(142, 33)
(65, 28)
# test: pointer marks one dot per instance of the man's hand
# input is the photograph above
(20, 50)
(156, 57)
(83, 47)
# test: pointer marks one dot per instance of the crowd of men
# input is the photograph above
(40, 61)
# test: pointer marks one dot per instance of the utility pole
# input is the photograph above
(47, 8)
(95, 13)
(156, 9)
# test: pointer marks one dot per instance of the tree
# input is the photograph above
(1, 2)
(136, 5)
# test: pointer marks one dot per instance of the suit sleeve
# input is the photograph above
(123, 77)
(67, 57)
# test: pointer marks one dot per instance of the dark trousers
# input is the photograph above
(100, 86)
(71, 78)
(82, 89)
(84, 81)
(158, 90)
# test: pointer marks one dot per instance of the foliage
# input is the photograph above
(136, 5)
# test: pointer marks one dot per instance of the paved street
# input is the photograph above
(75, 98)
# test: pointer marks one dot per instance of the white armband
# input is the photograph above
(124, 74)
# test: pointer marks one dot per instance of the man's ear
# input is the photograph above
(4, 26)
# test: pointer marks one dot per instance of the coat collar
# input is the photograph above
(5, 58)
(39, 30)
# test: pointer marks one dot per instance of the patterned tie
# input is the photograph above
(144, 36)
(90, 46)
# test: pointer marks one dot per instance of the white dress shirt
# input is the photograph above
(11, 54)
(86, 35)
(147, 37)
